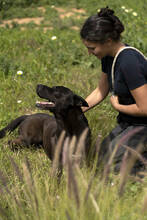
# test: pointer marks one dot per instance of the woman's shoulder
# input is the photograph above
(132, 52)
(131, 56)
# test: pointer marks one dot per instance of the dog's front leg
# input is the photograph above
(49, 140)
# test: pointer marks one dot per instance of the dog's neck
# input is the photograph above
(73, 122)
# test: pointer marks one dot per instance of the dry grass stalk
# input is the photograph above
(28, 173)
(144, 208)
(69, 153)
(123, 171)
(67, 215)
(126, 167)
(80, 151)
(1, 190)
(70, 149)
(30, 190)
(68, 157)
(4, 182)
(107, 167)
(65, 151)
(74, 185)
(72, 182)
(97, 145)
(56, 160)
(86, 186)
(27, 177)
(16, 169)
(89, 185)
(3, 213)
(95, 154)
(139, 156)
(72, 146)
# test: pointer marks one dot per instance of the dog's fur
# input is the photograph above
(43, 129)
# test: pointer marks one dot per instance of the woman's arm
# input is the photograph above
(98, 94)
(138, 109)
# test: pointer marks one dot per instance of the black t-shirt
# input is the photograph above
(130, 72)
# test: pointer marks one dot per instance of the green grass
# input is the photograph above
(31, 193)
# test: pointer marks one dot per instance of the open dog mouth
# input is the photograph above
(45, 105)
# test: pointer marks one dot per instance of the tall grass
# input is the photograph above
(80, 194)
(28, 185)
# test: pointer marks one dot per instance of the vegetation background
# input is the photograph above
(41, 39)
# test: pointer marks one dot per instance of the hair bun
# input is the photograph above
(108, 14)
(105, 12)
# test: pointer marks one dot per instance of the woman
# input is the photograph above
(101, 34)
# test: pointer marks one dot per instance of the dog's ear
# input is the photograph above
(79, 101)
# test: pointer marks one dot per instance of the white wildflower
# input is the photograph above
(53, 38)
(123, 7)
(57, 197)
(1, 103)
(134, 13)
(19, 72)
(126, 10)
(19, 101)
(52, 6)
(98, 10)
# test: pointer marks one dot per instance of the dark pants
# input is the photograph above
(124, 135)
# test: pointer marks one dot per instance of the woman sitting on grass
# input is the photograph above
(101, 34)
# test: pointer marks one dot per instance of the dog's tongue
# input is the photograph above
(39, 104)
(44, 103)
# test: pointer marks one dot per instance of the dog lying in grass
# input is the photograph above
(43, 129)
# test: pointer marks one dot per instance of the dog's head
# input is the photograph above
(58, 98)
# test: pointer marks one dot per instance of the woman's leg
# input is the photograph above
(107, 142)
(130, 136)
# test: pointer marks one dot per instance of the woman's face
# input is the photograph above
(97, 49)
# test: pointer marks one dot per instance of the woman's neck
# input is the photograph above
(116, 47)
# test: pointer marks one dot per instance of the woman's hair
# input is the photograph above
(103, 25)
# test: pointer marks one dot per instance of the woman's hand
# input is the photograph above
(138, 109)
(114, 101)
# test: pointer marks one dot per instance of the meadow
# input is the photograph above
(41, 39)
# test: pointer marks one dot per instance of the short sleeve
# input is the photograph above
(132, 70)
